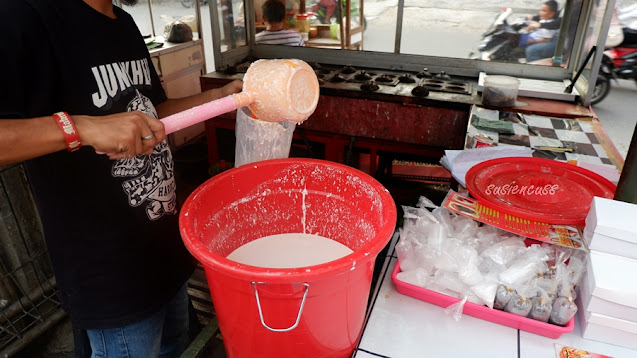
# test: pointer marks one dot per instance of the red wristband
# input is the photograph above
(71, 136)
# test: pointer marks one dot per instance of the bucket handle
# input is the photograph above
(298, 317)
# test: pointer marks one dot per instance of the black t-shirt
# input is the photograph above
(111, 227)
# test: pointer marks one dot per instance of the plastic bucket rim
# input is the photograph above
(349, 262)
(346, 263)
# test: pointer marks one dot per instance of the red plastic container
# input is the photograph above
(315, 311)
(483, 312)
(537, 189)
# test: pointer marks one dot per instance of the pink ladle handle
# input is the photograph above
(205, 111)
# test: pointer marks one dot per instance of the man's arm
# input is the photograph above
(552, 24)
(120, 135)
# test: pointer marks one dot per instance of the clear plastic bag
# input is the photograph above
(486, 291)
(418, 277)
(526, 267)
(423, 202)
(445, 281)
(468, 271)
(455, 309)
(406, 251)
(505, 251)
(260, 140)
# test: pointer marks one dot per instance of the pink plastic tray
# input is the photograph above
(482, 312)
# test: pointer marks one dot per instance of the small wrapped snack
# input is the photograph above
(541, 307)
(563, 310)
(502, 296)
(519, 305)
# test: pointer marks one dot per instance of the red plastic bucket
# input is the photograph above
(314, 311)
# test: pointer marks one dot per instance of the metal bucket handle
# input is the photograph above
(298, 317)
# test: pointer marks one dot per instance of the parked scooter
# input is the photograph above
(500, 41)
(617, 63)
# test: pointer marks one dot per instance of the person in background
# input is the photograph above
(291, 8)
(78, 81)
(538, 31)
(330, 8)
(275, 32)
(541, 39)
(615, 34)
(627, 18)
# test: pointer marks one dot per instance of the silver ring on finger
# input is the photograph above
(148, 137)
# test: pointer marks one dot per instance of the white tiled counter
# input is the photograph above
(400, 326)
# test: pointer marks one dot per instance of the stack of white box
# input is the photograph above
(608, 292)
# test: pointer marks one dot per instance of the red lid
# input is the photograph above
(538, 189)
(303, 16)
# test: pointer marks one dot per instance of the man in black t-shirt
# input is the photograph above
(77, 80)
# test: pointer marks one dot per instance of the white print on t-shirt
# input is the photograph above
(143, 104)
(116, 77)
(152, 176)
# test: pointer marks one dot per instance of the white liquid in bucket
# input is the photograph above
(289, 251)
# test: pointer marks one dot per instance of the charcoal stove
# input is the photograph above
(395, 83)
(403, 83)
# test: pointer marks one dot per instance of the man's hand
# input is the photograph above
(233, 87)
(122, 135)
(533, 26)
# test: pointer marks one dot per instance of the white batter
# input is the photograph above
(289, 251)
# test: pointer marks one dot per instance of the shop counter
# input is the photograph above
(553, 135)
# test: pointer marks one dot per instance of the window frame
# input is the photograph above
(414, 63)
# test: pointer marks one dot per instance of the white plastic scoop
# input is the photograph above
(274, 90)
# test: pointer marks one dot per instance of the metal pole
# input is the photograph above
(563, 34)
(152, 21)
(399, 26)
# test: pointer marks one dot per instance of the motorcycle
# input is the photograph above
(617, 63)
(500, 41)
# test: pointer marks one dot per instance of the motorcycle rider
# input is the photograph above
(628, 20)
(541, 39)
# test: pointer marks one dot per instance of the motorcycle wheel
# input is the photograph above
(602, 87)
